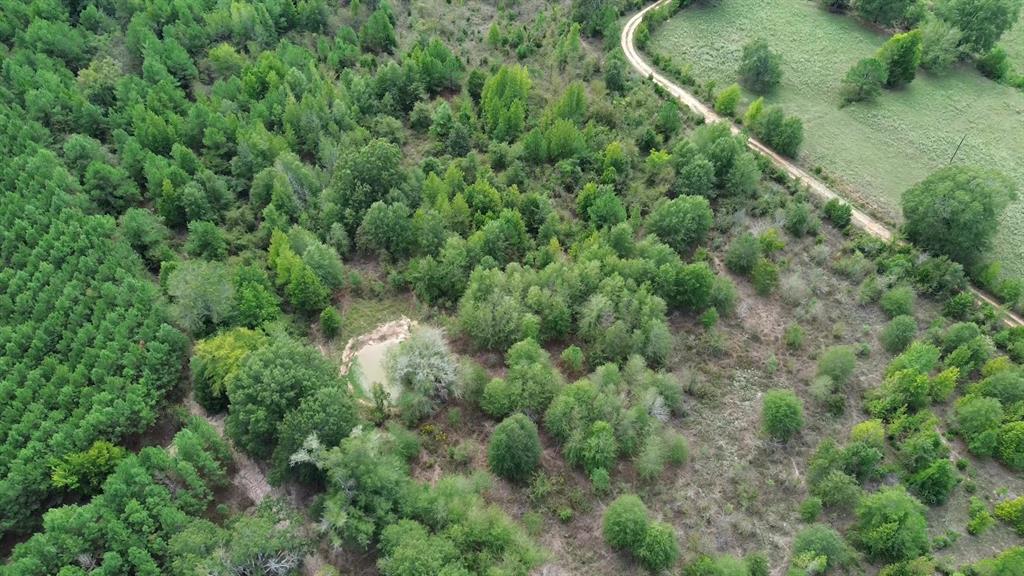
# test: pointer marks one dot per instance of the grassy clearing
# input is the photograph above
(873, 151)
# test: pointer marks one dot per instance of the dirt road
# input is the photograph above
(860, 219)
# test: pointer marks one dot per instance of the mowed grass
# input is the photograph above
(873, 151)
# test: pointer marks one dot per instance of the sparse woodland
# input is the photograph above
(637, 346)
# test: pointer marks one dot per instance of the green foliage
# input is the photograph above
(939, 45)
(514, 450)
(1011, 445)
(884, 12)
(891, 526)
(760, 68)
(425, 370)
(956, 210)
(901, 55)
(378, 32)
(503, 102)
(216, 359)
(625, 523)
(810, 508)
(572, 359)
(529, 385)
(330, 322)
(863, 82)
(85, 471)
(1012, 512)
(328, 413)
(727, 100)
(764, 276)
(781, 133)
(994, 64)
(682, 222)
(838, 212)
(793, 337)
(980, 519)
(820, 541)
(982, 23)
(206, 241)
(269, 383)
(659, 549)
(979, 419)
(933, 485)
(838, 363)
(898, 334)
(782, 414)
(743, 254)
(898, 301)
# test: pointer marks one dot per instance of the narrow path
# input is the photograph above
(859, 218)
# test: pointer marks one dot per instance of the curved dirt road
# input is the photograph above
(816, 186)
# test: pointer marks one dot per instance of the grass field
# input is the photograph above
(873, 151)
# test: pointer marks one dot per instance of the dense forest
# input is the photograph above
(206, 203)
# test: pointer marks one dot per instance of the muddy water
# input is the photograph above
(370, 359)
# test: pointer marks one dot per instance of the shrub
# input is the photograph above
(898, 301)
(820, 540)
(572, 359)
(979, 419)
(901, 55)
(800, 220)
(934, 484)
(727, 100)
(677, 449)
(1011, 445)
(659, 549)
(869, 432)
(793, 337)
(1012, 512)
(891, 526)
(743, 254)
(898, 334)
(514, 451)
(838, 363)
(782, 414)
(994, 64)
(980, 519)
(625, 523)
(810, 508)
(425, 370)
(765, 277)
(838, 490)
(838, 212)
(330, 322)
(650, 463)
(601, 481)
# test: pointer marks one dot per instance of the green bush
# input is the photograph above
(933, 484)
(650, 463)
(1011, 445)
(898, 334)
(979, 419)
(677, 449)
(743, 254)
(330, 322)
(838, 490)
(793, 337)
(572, 359)
(838, 363)
(838, 212)
(765, 277)
(980, 518)
(782, 414)
(625, 523)
(810, 508)
(659, 550)
(898, 301)
(819, 540)
(725, 103)
(514, 451)
(1012, 512)
(891, 526)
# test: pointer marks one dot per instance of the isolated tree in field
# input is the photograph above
(940, 44)
(956, 211)
(514, 451)
(760, 68)
(782, 414)
(863, 82)
(901, 56)
(884, 12)
(982, 22)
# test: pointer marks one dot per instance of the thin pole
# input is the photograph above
(957, 148)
